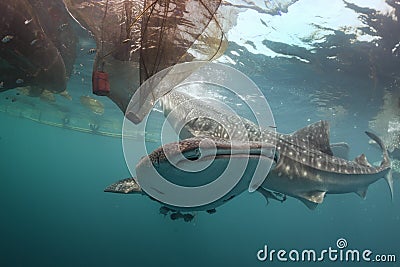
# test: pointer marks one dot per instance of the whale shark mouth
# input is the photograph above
(198, 150)
(203, 154)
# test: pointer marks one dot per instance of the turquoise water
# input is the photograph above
(54, 211)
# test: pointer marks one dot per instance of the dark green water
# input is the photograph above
(54, 213)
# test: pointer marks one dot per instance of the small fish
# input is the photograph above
(66, 95)
(164, 210)
(19, 81)
(1, 84)
(176, 215)
(62, 26)
(211, 211)
(27, 21)
(34, 41)
(7, 38)
(188, 217)
(92, 51)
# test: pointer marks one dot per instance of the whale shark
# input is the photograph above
(307, 169)
(304, 170)
(304, 164)
(301, 158)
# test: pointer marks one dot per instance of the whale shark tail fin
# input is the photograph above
(385, 164)
(389, 180)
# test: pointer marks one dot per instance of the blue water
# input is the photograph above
(54, 211)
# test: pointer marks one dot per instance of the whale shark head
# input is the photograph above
(198, 162)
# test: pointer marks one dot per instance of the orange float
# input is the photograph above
(100, 83)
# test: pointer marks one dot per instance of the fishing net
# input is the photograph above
(42, 50)
(37, 45)
(136, 39)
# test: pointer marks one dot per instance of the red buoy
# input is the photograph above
(100, 83)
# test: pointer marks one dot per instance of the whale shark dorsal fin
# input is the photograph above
(316, 135)
(362, 160)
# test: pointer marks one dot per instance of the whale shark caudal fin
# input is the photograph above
(385, 162)
(124, 186)
(389, 180)
(316, 135)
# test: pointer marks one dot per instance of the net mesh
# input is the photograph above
(37, 45)
(137, 39)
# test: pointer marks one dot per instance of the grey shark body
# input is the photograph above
(195, 151)
(305, 165)
(307, 169)
(193, 117)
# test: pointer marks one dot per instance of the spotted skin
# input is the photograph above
(305, 167)
(199, 118)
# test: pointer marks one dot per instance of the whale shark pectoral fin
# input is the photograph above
(314, 196)
(260, 173)
(309, 204)
(340, 150)
(312, 199)
(317, 135)
(271, 195)
(124, 186)
(362, 192)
